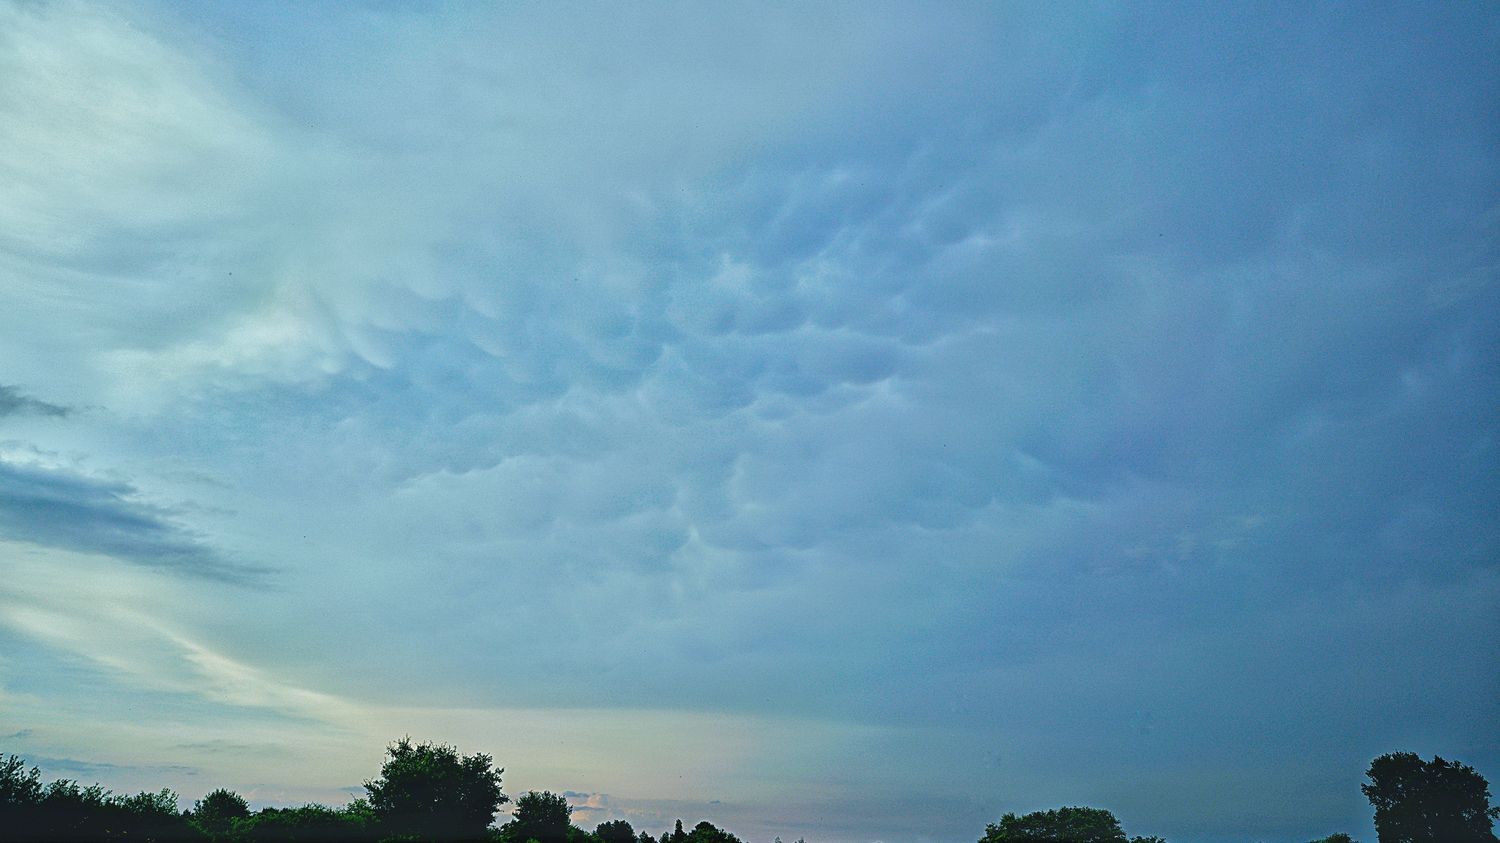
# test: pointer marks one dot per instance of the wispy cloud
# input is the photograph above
(14, 402)
(78, 767)
(59, 507)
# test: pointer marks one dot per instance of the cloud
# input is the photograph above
(1012, 377)
(97, 768)
(58, 507)
(13, 402)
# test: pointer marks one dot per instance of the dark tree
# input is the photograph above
(67, 811)
(430, 791)
(1433, 801)
(1062, 825)
(542, 817)
(1337, 837)
(19, 785)
(707, 832)
(20, 793)
(307, 824)
(615, 831)
(154, 816)
(215, 813)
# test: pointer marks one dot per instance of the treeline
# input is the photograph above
(425, 793)
(429, 793)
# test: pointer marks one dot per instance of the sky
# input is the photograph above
(850, 421)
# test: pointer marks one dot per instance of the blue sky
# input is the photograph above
(851, 421)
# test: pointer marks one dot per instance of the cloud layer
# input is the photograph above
(1042, 408)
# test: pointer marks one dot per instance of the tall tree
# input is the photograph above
(1060, 825)
(540, 816)
(1433, 801)
(216, 812)
(430, 791)
(707, 832)
(615, 831)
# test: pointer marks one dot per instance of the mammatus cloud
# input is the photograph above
(1043, 404)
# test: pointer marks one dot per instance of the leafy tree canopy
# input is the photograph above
(307, 824)
(216, 812)
(615, 831)
(540, 816)
(1420, 801)
(18, 785)
(430, 791)
(1060, 825)
(707, 832)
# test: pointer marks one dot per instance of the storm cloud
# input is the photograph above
(982, 409)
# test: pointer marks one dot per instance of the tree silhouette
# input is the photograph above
(308, 824)
(540, 816)
(615, 831)
(65, 811)
(430, 791)
(1061, 825)
(215, 813)
(20, 791)
(1433, 801)
(707, 832)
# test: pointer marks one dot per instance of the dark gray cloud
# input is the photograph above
(60, 508)
(13, 403)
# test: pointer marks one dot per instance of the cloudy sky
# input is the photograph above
(850, 421)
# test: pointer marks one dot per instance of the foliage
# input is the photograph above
(615, 831)
(19, 786)
(1060, 825)
(307, 824)
(1337, 837)
(707, 832)
(215, 813)
(1418, 801)
(65, 811)
(430, 791)
(540, 816)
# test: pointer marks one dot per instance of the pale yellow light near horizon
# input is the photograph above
(277, 741)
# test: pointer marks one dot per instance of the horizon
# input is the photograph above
(849, 422)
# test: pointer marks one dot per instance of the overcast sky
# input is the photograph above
(851, 421)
